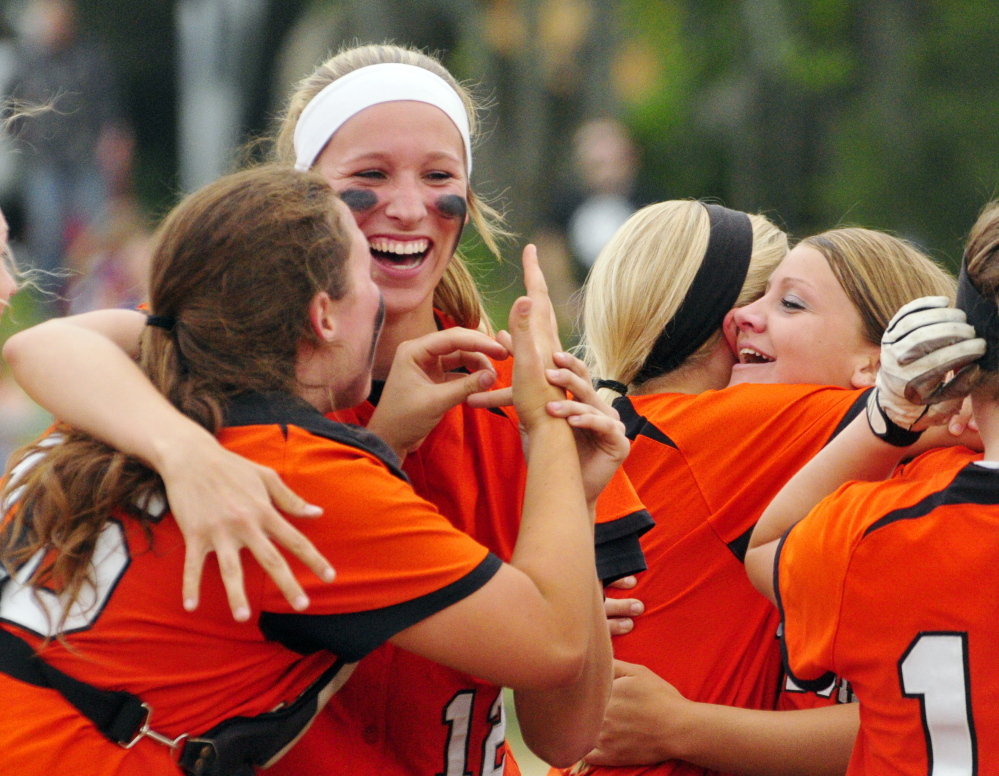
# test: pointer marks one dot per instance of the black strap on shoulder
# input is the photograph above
(118, 715)
(231, 748)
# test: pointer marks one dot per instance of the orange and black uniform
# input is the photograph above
(891, 585)
(398, 561)
(401, 714)
(706, 466)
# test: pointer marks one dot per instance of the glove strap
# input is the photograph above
(884, 428)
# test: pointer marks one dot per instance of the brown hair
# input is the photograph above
(981, 259)
(880, 273)
(643, 275)
(456, 293)
(236, 265)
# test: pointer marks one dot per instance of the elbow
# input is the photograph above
(564, 667)
(563, 753)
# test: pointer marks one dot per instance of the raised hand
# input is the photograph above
(600, 439)
(422, 385)
(925, 343)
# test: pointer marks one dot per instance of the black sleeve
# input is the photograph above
(352, 636)
(619, 552)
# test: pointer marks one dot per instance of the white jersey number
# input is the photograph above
(935, 669)
(39, 610)
(458, 717)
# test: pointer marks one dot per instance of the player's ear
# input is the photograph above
(866, 365)
(322, 318)
(731, 330)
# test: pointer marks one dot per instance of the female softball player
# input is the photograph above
(707, 459)
(392, 132)
(264, 317)
(885, 582)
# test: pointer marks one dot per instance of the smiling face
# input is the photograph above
(408, 155)
(804, 329)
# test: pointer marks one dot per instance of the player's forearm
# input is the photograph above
(812, 742)
(555, 542)
(856, 454)
(561, 725)
(81, 374)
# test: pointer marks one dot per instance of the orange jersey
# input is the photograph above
(398, 561)
(401, 714)
(838, 690)
(706, 466)
(888, 584)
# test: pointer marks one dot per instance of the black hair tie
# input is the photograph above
(165, 322)
(614, 385)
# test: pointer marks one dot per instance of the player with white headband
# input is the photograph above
(392, 131)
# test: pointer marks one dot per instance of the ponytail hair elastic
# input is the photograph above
(165, 322)
(614, 385)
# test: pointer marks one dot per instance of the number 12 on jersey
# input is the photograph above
(458, 717)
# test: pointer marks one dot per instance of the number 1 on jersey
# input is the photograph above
(934, 669)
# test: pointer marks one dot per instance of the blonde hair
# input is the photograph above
(456, 293)
(880, 273)
(643, 275)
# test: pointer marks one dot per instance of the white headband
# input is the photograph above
(367, 86)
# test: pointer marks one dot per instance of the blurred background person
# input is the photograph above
(606, 161)
(66, 149)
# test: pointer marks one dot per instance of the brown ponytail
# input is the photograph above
(234, 269)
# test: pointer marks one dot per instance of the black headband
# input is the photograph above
(713, 293)
(983, 315)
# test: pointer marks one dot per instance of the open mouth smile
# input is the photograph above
(749, 355)
(399, 254)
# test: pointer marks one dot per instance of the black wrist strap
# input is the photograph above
(884, 428)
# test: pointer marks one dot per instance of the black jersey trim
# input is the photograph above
(808, 685)
(972, 485)
(618, 549)
(740, 545)
(352, 636)
(636, 425)
(620, 557)
(635, 524)
(260, 409)
(859, 406)
(377, 386)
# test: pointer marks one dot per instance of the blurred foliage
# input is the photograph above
(817, 112)
(880, 113)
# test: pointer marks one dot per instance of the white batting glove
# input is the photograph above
(924, 343)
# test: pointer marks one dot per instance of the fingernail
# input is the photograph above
(955, 428)
(637, 608)
(190, 604)
(242, 614)
(555, 406)
(311, 510)
(301, 603)
(551, 372)
(626, 626)
(328, 574)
